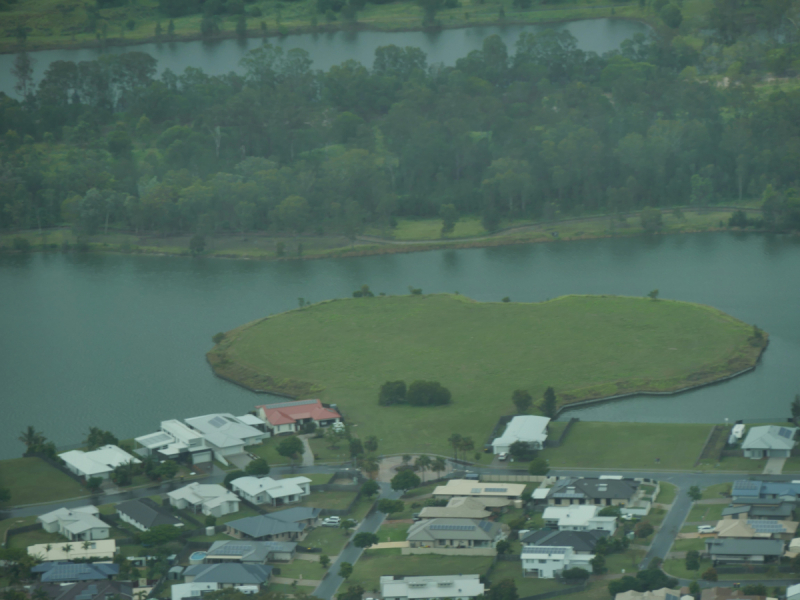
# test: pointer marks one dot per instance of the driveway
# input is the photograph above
(239, 460)
(774, 466)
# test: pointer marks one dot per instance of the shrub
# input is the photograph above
(428, 393)
(211, 521)
(576, 574)
(644, 529)
(710, 574)
(392, 392)
(218, 337)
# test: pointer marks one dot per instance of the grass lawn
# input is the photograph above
(526, 586)
(595, 590)
(629, 445)
(431, 229)
(706, 512)
(333, 500)
(667, 493)
(627, 561)
(588, 347)
(422, 490)
(38, 536)
(330, 540)
(393, 532)
(268, 451)
(33, 481)
(374, 563)
(740, 463)
(361, 508)
(324, 453)
(698, 544)
(676, 567)
(244, 512)
(7, 524)
(308, 569)
(717, 491)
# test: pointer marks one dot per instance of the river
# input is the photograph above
(328, 49)
(118, 341)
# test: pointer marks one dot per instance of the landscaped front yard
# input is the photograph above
(393, 532)
(706, 512)
(33, 481)
(330, 540)
(667, 493)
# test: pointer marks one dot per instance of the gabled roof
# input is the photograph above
(229, 573)
(769, 437)
(284, 413)
(734, 546)
(453, 529)
(87, 590)
(431, 586)
(65, 571)
(209, 495)
(248, 551)
(147, 512)
(594, 488)
(276, 488)
(579, 541)
(97, 462)
(263, 525)
(524, 428)
(224, 430)
(75, 520)
(457, 508)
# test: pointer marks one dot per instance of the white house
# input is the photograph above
(212, 500)
(192, 590)
(793, 592)
(174, 440)
(266, 490)
(431, 587)
(226, 434)
(97, 463)
(526, 428)
(80, 523)
(578, 518)
(548, 561)
(769, 441)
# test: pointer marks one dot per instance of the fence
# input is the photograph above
(17, 530)
(563, 436)
(514, 478)
(740, 570)
(57, 464)
(555, 593)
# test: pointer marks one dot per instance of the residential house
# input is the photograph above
(70, 572)
(581, 542)
(777, 510)
(526, 428)
(212, 500)
(228, 575)
(184, 591)
(81, 523)
(597, 491)
(764, 493)
(457, 508)
(55, 552)
(277, 526)
(793, 592)
(547, 562)
(769, 441)
(431, 587)
(266, 490)
(477, 537)
(726, 593)
(578, 518)
(144, 514)
(477, 489)
(732, 550)
(84, 590)
(289, 417)
(256, 553)
(96, 463)
(225, 434)
(756, 529)
(662, 594)
(175, 441)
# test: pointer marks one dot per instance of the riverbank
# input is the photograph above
(65, 26)
(410, 235)
(585, 347)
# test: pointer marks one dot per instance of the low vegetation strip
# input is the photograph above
(586, 347)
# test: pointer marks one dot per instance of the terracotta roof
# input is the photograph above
(284, 413)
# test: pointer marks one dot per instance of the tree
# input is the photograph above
(97, 437)
(796, 408)
(598, 564)
(428, 393)
(159, 535)
(345, 570)
(710, 574)
(197, 244)
(5, 495)
(241, 26)
(610, 511)
(324, 561)
(423, 463)
(455, 441)
(167, 470)
(257, 467)
(93, 484)
(694, 493)
(505, 590)
(23, 71)
(392, 392)
(232, 476)
(449, 216)
(653, 294)
(170, 28)
(671, 15)
(404, 481)
(650, 219)
(66, 549)
(644, 529)
(438, 466)
(354, 592)
(538, 466)
(387, 506)
(466, 445)
(503, 547)
(575, 574)
(694, 589)
(365, 540)
(371, 444)
(291, 447)
(522, 451)
(523, 400)
(347, 525)
(692, 560)
(370, 488)
(210, 521)
(549, 403)
(356, 447)
(754, 589)
(31, 438)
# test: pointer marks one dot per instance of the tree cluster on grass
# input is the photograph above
(643, 529)
(291, 447)
(538, 466)
(387, 506)
(694, 493)
(354, 592)
(97, 438)
(419, 393)
(365, 539)
(575, 575)
(644, 581)
(370, 488)
(36, 443)
(692, 560)
(503, 590)
(522, 400)
(523, 451)
(459, 443)
(611, 545)
(363, 292)
(392, 392)
(710, 574)
(405, 480)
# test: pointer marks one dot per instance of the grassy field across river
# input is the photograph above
(585, 347)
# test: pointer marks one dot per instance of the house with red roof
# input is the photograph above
(288, 417)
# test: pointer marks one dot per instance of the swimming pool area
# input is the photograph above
(197, 557)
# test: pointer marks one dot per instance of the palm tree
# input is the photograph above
(30, 437)
(86, 545)
(423, 463)
(466, 445)
(370, 465)
(67, 548)
(438, 465)
(455, 441)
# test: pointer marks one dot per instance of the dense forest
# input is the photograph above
(542, 131)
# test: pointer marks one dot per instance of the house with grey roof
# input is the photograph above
(250, 552)
(210, 499)
(581, 542)
(267, 528)
(225, 434)
(459, 507)
(145, 514)
(733, 550)
(455, 536)
(546, 562)
(596, 491)
(69, 572)
(228, 574)
(85, 590)
(780, 511)
(769, 441)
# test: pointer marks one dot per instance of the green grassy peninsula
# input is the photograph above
(586, 347)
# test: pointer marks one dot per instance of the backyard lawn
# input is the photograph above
(33, 481)
(298, 569)
(330, 540)
(667, 493)
(628, 560)
(339, 351)
(706, 512)
(374, 563)
(717, 491)
(324, 453)
(393, 532)
(698, 544)
(7, 524)
(526, 586)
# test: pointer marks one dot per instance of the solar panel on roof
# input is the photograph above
(452, 527)
(475, 491)
(488, 489)
(783, 432)
(233, 549)
(217, 422)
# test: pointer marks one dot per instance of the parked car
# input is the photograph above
(332, 521)
(705, 529)
(416, 516)
(502, 456)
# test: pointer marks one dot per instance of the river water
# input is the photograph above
(328, 49)
(118, 341)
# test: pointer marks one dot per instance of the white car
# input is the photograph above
(332, 522)
(502, 456)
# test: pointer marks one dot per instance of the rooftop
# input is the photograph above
(276, 488)
(769, 437)
(224, 430)
(98, 462)
(284, 413)
(468, 487)
(210, 495)
(525, 428)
